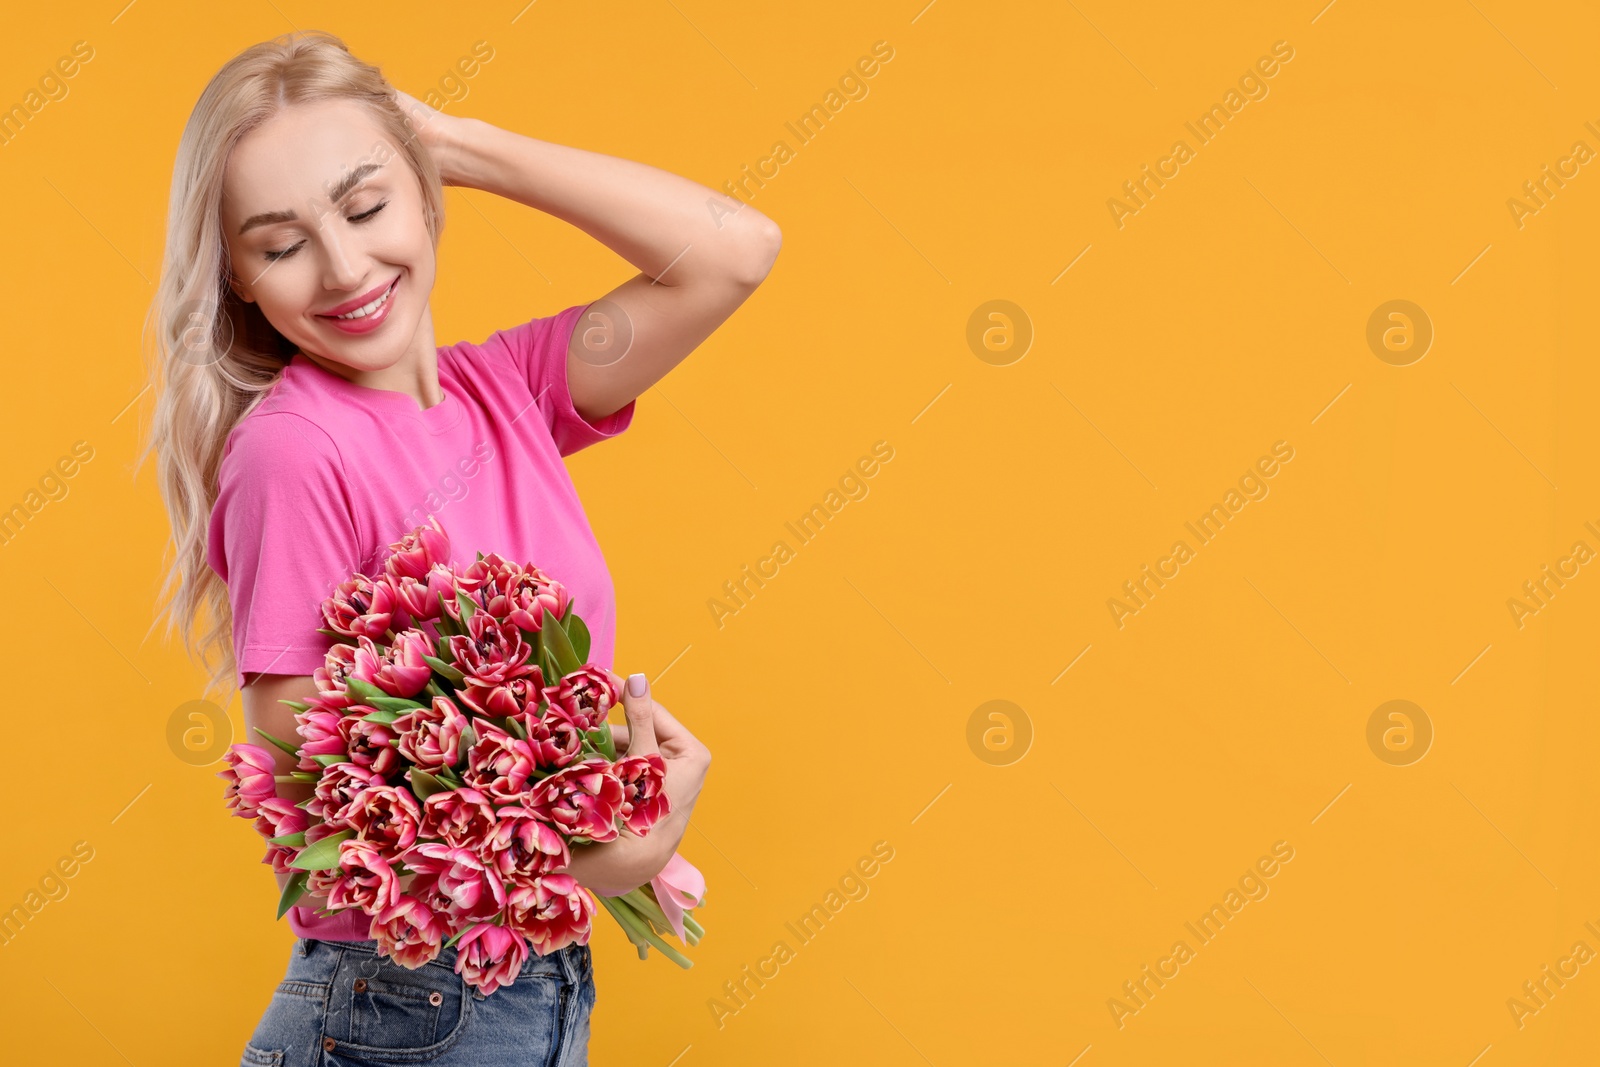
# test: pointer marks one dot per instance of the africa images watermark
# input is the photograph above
(53, 88)
(1252, 85)
(852, 887)
(53, 887)
(453, 485)
(852, 486)
(1538, 592)
(52, 487)
(452, 87)
(1251, 886)
(1538, 192)
(1537, 993)
(1252, 485)
(852, 87)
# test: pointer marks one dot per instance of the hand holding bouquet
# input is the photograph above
(459, 753)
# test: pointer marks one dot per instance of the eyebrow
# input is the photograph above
(339, 192)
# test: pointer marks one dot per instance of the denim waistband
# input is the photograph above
(574, 963)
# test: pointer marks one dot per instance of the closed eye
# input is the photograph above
(365, 216)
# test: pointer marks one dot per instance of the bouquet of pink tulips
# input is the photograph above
(458, 739)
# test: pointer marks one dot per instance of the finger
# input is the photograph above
(641, 716)
(408, 103)
(619, 736)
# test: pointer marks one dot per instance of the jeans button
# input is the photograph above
(436, 998)
(328, 1043)
(361, 985)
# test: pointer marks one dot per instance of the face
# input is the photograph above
(307, 244)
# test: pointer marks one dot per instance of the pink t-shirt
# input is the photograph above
(324, 475)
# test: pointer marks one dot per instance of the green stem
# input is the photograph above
(647, 906)
(645, 902)
(621, 909)
(628, 928)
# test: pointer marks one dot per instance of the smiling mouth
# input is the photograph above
(368, 308)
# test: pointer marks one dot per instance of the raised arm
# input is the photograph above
(701, 253)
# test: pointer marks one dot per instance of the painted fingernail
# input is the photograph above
(637, 685)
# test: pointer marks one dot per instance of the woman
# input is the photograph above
(305, 420)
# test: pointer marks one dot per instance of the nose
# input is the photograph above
(342, 268)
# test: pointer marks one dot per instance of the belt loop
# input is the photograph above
(305, 946)
(569, 964)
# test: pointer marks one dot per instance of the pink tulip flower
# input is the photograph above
(249, 778)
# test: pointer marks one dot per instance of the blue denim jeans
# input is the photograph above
(340, 1003)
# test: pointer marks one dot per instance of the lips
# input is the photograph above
(360, 301)
(363, 325)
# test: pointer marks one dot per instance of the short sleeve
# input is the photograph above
(538, 349)
(282, 536)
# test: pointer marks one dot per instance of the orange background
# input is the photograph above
(847, 702)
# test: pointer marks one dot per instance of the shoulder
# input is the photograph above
(277, 445)
(277, 437)
(281, 488)
(522, 345)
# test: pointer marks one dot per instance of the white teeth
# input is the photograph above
(364, 311)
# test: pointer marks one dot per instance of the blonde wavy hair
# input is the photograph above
(211, 357)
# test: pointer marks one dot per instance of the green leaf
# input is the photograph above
(600, 738)
(468, 608)
(328, 759)
(297, 705)
(323, 854)
(385, 717)
(450, 779)
(451, 674)
(469, 737)
(480, 555)
(363, 691)
(293, 889)
(281, 744)
(339, 638)
(398, 705)
(547, 664)
(579, 634)
(444, 623)
(559, 646)
(424, 784)
(515, 728)
(296, 840)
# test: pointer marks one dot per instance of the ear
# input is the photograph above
(238, 288)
